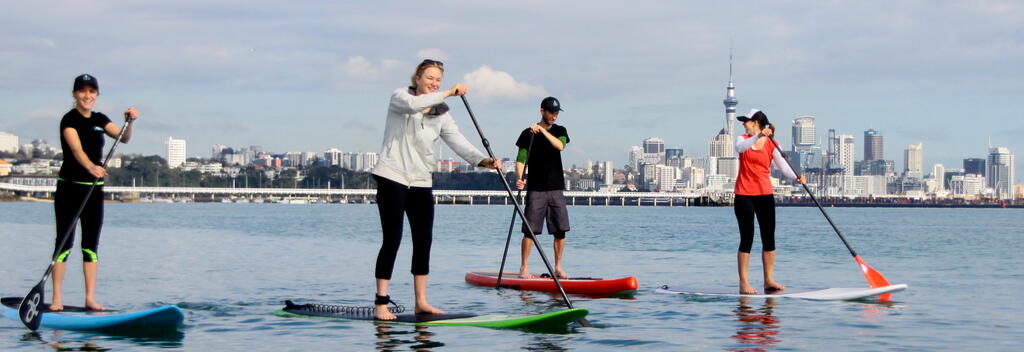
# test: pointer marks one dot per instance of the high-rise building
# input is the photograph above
(609, 173)
(666, 178)
(332, 157)
(8, 143)
(720, 146)
(846, 148)
(654, 150)
(804, 133)
(873, 145)
(217, 150)
(673, 153)
(913, 157)
(175, 152)
(1000, 172)
(939, 173)
(974, 166)
(636, 157)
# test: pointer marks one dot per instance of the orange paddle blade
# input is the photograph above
(875, 278)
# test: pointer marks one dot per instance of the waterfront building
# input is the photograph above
(729, 166)
(873, 145)
(692, 177)
(9, 142)
(913, 158)
(967, 185)
(804, 133)
(1000, 172)
(666, 178)
(332, 157)
(5, 168)
(717, 183)
(176, 149)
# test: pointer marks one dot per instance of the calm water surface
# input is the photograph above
(229, 266)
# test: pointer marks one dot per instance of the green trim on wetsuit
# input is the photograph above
(89, 256)
(522, 156)
(63, 256)
(97, 183)
(563, 139)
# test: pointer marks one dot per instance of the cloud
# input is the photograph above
(432, 53)
(360, 67)
(488, 83)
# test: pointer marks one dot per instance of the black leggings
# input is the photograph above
(394, 199)
(746, 207)
(66, 200)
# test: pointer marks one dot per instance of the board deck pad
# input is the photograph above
(15, 302)
(829, 294)
(557, 319)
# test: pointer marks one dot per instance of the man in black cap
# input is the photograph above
(543, 143)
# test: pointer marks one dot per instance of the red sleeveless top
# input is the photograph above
(754, 178)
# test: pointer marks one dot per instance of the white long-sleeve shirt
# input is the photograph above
(407, 154)
(744, 143)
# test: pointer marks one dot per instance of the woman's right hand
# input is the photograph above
(520, 184)
(96, 171)
(458, 89)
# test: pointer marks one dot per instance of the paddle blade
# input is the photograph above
(30, 310)
(875, 278)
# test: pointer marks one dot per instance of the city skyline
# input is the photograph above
(315, 77)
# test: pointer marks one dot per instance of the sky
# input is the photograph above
(313, 75)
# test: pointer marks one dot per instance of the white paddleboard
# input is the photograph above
(829, 294)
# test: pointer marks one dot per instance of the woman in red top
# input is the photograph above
(755, 196)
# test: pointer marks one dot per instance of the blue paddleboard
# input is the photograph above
(166, 318)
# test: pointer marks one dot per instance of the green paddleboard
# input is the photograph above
(553, 320)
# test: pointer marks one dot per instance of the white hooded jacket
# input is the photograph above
(407, 155)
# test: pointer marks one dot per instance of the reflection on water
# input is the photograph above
(756, 327)
(394, 337)
(62, 340)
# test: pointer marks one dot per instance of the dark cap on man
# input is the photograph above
(86, 80)
(550, 104)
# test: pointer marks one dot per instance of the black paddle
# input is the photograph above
(512, 223)
(875, 279)
(29, 311)
(487, 145)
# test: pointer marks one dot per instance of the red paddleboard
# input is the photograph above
(581, 285)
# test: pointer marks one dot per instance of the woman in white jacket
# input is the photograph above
(417, 116)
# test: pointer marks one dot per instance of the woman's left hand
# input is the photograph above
(802, 179)
(131, 113)
(767, 132)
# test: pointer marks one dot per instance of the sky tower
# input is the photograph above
(730, 102)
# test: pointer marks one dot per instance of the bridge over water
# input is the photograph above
(321, 195)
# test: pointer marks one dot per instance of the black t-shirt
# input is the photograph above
(545, 163)
(91, 135)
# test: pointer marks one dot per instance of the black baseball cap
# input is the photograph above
(86, 79)
(550, 104)
(755, 115)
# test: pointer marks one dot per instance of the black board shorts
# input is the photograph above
(549, 205)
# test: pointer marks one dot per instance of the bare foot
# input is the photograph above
(561, 273)
(92, 305)
(746, 289)
(380, 312)
(773, 287)
(57, 305)
(426, 308)
(524, 272)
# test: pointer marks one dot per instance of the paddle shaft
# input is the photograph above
(512, 223)
(30, 315)
(822, 209)
(522, 216)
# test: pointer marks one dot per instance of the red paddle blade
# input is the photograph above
(875, 278)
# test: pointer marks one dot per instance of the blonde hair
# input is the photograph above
(423, 66)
